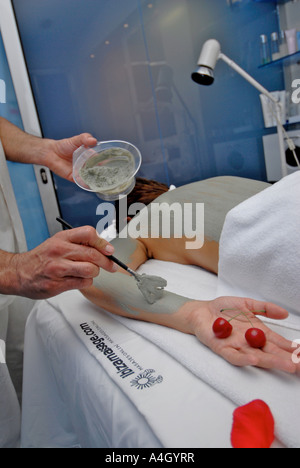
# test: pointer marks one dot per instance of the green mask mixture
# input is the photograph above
(108, 170)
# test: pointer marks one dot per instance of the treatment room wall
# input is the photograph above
(121, 69)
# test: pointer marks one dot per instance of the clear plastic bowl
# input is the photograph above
(108, 169)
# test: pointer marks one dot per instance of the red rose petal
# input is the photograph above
(253, 426)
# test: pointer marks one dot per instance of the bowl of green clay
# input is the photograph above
(108, 169)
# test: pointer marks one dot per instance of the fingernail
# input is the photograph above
(109, 249)
(115, 268)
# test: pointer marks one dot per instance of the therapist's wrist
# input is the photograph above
(37, 150)
(9, 278)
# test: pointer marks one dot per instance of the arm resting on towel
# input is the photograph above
(119, 294)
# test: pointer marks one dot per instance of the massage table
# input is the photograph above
(92, 379)
(71, 399)
(74, 396)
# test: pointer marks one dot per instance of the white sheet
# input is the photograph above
(68, 399)
(238, 385)
(71, 399)
(191, 409)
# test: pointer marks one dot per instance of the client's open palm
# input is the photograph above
(277, 352)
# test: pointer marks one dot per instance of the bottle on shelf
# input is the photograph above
(275, 52)
(283, 50)
(264, 49)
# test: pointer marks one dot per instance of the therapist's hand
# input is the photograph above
(69, 260)
(276, 354)
(59, 153)
(28, 149)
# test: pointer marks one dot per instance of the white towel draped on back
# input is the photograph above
(260, 249)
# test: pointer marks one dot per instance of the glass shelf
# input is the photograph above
(291, 59)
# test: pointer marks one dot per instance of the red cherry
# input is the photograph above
(222, 328)
(255, 338)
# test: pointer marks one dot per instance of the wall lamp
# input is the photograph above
(204, 75)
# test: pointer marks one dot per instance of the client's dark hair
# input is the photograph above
(145, 191)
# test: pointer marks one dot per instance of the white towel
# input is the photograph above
(280, 391)
(260, 247)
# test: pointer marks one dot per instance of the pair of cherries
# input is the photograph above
(222, 329)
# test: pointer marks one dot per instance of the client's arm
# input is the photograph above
(119, 294)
